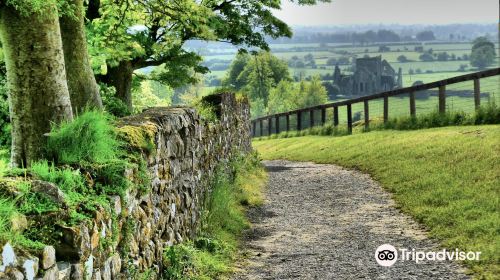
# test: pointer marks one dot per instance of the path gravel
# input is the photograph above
(325, 222)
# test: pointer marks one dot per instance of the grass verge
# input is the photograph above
(213, 253)
(446, 178)
(486, 114)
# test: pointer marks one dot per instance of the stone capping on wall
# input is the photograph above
(181, 151)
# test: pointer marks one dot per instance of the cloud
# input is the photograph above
(341, 12)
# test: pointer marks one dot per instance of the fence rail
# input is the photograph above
(258, 124)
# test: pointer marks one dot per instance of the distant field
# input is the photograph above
(322, 54)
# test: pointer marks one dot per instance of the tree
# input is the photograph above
(402, 58)
(387, 36)
(311, 93)
(426, 36)
(331, 61)
(168, 25)
(237, 66)
(483, 53)
(259, 79)
(443, 56)
(260, 73)
(281, 98)
(36, 76)
(332, 90)
(83, 88)
(426, 57)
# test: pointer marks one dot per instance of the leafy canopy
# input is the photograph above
(153, 33)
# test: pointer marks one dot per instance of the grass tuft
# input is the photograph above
(89, 138)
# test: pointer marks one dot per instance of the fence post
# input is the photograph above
(442, 99)
(335, 116)
(349, 119)
(261, 127)
(254, 126)
(413, 109)
(287, 122)
(299, 120)
(311, 118)
(477, 93)
(269, 126)
(386, 109)
(277, 124)
(323, 116)
(367, 115)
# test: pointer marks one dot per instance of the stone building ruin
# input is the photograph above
(370, 75)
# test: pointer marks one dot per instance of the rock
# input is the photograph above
(15, 274)
(116, 265)
(96, 275)
(30, 268)
(19, 222)
(64, 270)
(106, 271)
(89, 268)
(50, 190)
(48, 257)
(76, 243)
(77, 271)
(8, 257)
(94, 239)
(51, 274)
(116, 202)
(178, 237)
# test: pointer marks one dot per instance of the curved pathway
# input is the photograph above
(325, 222)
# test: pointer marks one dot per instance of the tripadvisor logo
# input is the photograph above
(387, 255)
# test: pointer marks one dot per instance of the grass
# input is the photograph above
(88, 166)
(211, 256)
(446, 178)
(89, 138)
(488, 113)
(442, 69)
(4, 161)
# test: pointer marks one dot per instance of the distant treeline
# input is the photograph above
(362, 38)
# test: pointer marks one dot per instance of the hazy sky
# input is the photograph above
(391, 11)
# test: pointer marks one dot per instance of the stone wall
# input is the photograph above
(181, 152)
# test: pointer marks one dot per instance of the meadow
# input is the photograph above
(427, 71)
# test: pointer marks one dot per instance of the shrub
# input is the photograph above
(89, 138)
(402, 58)
(111, 103)
(487, 114)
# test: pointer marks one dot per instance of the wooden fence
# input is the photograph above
(440, 85)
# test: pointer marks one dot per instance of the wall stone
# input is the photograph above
(181, 151)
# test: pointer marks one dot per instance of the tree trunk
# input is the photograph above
(121, 78)
(82, 85)
(36, 79)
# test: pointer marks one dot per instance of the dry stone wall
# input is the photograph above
(181, 152)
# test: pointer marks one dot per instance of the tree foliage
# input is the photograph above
(483, 53)
(153, 33)
(257, 74)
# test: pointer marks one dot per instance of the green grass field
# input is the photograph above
(446, 178)
(445, 69)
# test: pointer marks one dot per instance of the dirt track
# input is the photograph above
(325, 222)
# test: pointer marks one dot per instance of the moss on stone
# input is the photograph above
(139, 137)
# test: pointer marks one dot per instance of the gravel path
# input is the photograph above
(325, 222)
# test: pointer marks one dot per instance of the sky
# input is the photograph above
(349, 12)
